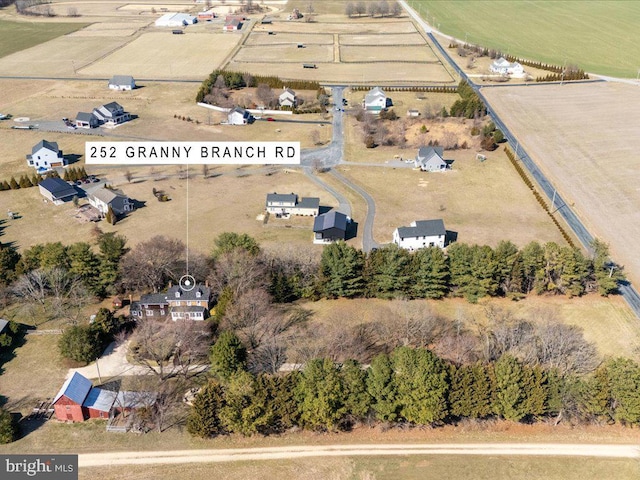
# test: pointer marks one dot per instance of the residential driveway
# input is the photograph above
(112, 363)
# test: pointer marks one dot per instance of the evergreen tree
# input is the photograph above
(422, 385)
(227, 356)
(357, 400)
(606, 273)
(509, 269)
(461, 391)
(387, 272)
(85, 264)
(509, 394)
(533, 267)
(624, 378)
(35, 180)
(80, 343)
(53, 255)
(244, 410)
(13, 185)
(204, 417)
(112, 248)
(535, 390)
(25, 182)
(430, 273)
(9, 260)
(320, 395)
(382, 389)
(8, 429)
(277, 396)
(229, 241)
(110, 217)
(596, 397)
(341, 271)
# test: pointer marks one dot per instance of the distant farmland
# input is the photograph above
(18, 36)
(598, 36)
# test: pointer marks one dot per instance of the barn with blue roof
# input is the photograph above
(68, 402)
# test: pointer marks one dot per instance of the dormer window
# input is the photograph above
(178, 294)
(198, 294)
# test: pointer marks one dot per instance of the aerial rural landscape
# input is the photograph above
(445, 285)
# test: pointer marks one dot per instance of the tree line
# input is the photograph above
(408, 386)
(236, 80)
(469, 271)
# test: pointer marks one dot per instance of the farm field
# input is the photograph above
(370, 54)
(192, 56)
(552, 32)
(26, 35)
(591, 158)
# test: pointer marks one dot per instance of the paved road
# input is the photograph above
(628, 292)
(111, 459)
(343, 204)
(367, 230)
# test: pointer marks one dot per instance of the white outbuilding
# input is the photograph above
(176, 20)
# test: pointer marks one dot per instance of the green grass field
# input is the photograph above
(18, 36)
(598, 36)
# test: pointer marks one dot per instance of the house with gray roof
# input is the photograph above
(285, 204)
(429, 159)
(122, 82)
(420, 234)
(111, 114)
(330, 227)
(177, 304)
(56, 190)
(103, 198)
(45, 156)
(288, 98)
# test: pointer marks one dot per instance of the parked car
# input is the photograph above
(271, 119)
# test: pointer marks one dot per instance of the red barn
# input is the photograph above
(68, 402)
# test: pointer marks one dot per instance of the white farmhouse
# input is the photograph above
(239, 116)
(375, 101)
(122, 82)
(420, 234)
(111, 114)
(45, 156)
(288, 98)
(504, 67)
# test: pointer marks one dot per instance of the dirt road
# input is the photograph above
(291, 452)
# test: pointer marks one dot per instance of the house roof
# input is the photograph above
(53, 146)
(423, 228)
(121, 80)
(188, 309)
(425, 152)
(203, 291)
(106, 195)
(75, 388)
(239, 110)
(309, 202)
(287, 92)
(373, 94)
(86, 117)
(282, 198)
(113, 107)
(3, 324)
(502, 62)
(58, 188)
(329, 220)
(153, 299)
(100, 399)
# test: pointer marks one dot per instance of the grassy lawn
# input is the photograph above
(553, 32)
(18, 36)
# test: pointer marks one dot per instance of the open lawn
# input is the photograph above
(26, 35)
(328, 24)
(552, 32)
(388, 468)
(193, 55)
(584, 137)
(263, 38)
(289, 53)
(609, 323)
(396, 39)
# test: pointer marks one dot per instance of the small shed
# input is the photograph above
(117, 302)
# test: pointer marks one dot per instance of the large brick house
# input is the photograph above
(176, 304)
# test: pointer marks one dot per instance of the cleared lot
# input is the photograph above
(387, 39)
(263, 38)
(585, 138)
(385, 53)
(288, 53)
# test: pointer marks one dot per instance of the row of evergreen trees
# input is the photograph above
(24, 181)
(72, 174)
(469, 271)
(408, 386)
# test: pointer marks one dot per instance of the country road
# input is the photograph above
(87, 460)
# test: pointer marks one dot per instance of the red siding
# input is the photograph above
(93, 413)
(67, 410)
